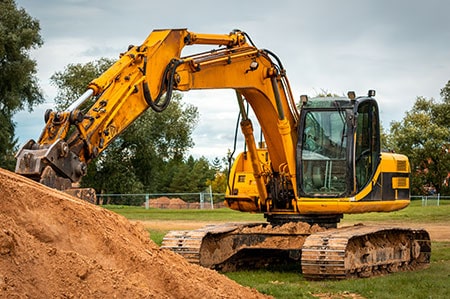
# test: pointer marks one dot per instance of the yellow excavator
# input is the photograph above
(317, 162)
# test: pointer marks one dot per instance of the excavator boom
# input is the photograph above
(145, 76)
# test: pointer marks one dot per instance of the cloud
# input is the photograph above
(399, 48)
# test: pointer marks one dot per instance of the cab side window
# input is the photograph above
(367, 146)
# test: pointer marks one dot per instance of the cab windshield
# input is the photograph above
(323, 155)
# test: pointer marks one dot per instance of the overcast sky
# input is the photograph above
(399, 48)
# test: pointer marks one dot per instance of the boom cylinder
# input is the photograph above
(233, 39)
(247, 130)
(83, 98)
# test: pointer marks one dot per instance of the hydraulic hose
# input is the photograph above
(230, 157)
(167, 84)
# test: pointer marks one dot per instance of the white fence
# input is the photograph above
(430, 200)
(195, 200)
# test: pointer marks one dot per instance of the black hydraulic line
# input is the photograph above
(241, 105)
(230, 157)
(248, 37)
(167, 83)
(281, 68)
(277, 98)
(280, 65)
(235, 134)
(276, 58)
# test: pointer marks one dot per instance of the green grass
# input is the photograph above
(428, 283)
(218, 215)
(289, 283)
(157, 235)
(413, 213)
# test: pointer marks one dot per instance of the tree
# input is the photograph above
(19, 88)
(219, 182)
(445, 92)
(161, 141)
(192, 175)
(72, 82)
(424, 136)
(113, 172)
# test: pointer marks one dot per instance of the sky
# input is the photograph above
(399, 48)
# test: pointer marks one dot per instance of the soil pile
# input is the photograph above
(54, 245)
(168, 203)
(177, 203)
(287, 228)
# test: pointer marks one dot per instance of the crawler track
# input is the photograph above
(354, 251)
(364, 251)
(232, 246)
(188, 243)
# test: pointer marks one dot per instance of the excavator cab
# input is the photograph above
(340, 168)
(338, 149)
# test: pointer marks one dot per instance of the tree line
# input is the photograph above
(424, 136)
(152, 154)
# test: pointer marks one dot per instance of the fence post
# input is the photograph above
(202, 200)
(211, 197)
(439, 196)
(424, 200)
(147, 203)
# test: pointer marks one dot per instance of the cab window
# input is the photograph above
(367, 139)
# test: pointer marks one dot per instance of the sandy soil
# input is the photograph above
(55, 246)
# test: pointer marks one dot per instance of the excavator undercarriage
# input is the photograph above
(352, 251)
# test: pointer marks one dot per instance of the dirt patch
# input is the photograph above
(173, 224)
(53, 245)
(344, 295)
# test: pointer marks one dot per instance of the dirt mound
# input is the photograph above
(287, 228)
(53, 245)
(160, 202)
(177, 203)
(168, 203)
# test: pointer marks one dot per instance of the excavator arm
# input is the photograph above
(144, 77)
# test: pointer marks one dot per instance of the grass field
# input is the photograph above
(414, 213)
(433, 282)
